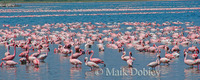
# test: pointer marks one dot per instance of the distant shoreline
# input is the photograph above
(78, 1)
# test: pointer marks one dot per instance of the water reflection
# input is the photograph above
(91, 74)
(10, 69)
(191, 72)
(75, 72)
(165, 69)
(31, 69)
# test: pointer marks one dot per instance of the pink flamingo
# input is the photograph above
(152, 49)
(10, 57)
(188, 61)
(176, 48)
(74, 61)
(7, 53)
(42, 56)
(130, 61)
(192, 49)
(9, 63)
(23, 60)
(96, 60)
(30, 58)
(77, 54)
(23, 54)
(169, 56)
(125, 58)
(36, 54)
(155, 63)
(36, 62)
(164, 59)
(90, 63)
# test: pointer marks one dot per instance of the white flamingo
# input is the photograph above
(90, 63)
(155, 63)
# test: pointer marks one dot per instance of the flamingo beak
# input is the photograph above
(83, 52)
(84, 60)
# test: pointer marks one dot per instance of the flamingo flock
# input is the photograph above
(150, 37)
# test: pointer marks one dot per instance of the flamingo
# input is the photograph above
(164, 59)
(175, 48)
(10, 57)
(9, 63)
(192, 49)
(155, 63)
(169, 56)
(195, 55)
(42, 56)
(100, 46)
(152, 49)
(130, 61)
(23, 54)
(74, 61)
(125, 58)
(96, 60)
(78, 54)
(175, 54)
(90, 63)
(36, 54)
(36, 62)
(188, 61)
(7, 53)
(30, 58)
(23, 60)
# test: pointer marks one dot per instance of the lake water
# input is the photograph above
(58, 67)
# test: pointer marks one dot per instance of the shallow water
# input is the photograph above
(58, 67)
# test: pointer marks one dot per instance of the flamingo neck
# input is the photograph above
(91, 55)
(28, 50)
(39, 51)
(158, 60)
(123, 54)
(86, 60)
(8, 49)
(14, 50)
(27, 56)
(80, 53)
(2, 63)
(71, 54)
(130, 56)
(185, 55)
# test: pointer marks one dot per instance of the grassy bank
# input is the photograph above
(60, 1)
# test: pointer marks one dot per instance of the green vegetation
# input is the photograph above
(44, 1)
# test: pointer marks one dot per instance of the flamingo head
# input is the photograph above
(20, 55)
(184, 51)
(124, 52)
(122, 49)
(130, 53)
(159, 51)
(184, 54)
(154, 45)
(86, 58)
(91, 51)
(82, 51)
(1, 64)
(40, 47)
